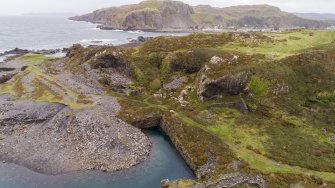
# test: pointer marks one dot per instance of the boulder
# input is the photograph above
(175, 83)
(229, 84)
(242, 106)
(332, 138)
(230, 61)
(165, 183)
(239, 105)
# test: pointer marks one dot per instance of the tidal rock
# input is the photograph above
(165, 183)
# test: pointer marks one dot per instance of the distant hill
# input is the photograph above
(175, 15)
(316, 16)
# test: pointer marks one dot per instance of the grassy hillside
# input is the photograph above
(248, 103)
(290, 96)
(176, 15)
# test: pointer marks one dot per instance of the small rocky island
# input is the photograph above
(239, 107)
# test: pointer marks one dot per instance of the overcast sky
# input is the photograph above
(84, 6)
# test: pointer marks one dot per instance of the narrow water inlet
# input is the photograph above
(164, 163)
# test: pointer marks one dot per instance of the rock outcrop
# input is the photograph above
(54, 139)
(230, 84)
(146, 19)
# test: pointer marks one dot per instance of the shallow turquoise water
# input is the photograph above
(163, 163)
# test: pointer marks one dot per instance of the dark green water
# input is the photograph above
(163, 163)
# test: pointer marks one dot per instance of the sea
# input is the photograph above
(37, 32)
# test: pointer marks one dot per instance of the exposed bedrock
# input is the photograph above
(6, 77)
(145, 19)
(53, 138)
(229, 84)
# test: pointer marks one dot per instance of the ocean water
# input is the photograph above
(50, 32)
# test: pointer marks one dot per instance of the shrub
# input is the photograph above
(155, 84)
(156, 59)
(258, 87)
(185, 61)
(326, 96)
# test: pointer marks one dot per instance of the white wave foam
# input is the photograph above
(117, 30)
(86, 42)
(136, 32)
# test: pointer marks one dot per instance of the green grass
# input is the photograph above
(258, 87)
(44, 87)
(255, 160)
(285, 71)
(326, 96)
(285, 44)
(32, 59)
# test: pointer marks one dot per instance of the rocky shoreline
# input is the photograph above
(54, 138)
(16, 52)
(19, 52)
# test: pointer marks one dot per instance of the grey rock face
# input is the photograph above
(176, 83)
(332, 138)
(53, 138)
(146, 19)
(230, 84)
(9, 70)
(6, 77)
(239, 105)
(234, 179)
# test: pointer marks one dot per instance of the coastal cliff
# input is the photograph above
(167, 15)
(148, 15)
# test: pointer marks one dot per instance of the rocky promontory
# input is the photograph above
(174, 16)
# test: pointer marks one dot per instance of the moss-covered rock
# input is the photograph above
(230, 84)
